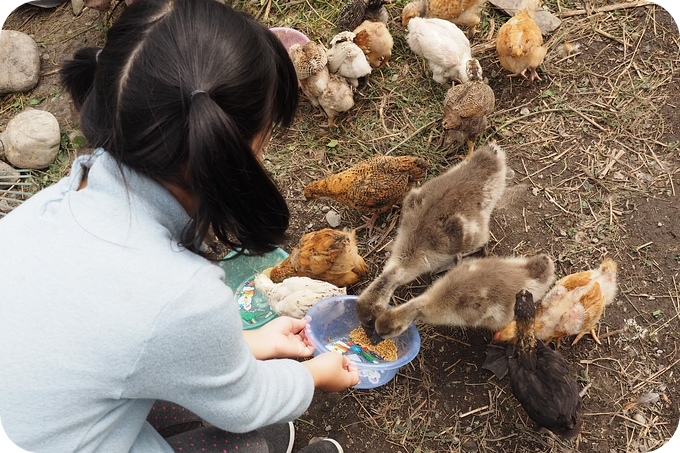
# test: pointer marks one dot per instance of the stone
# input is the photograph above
(545, 20)
(31, 139)
(77, 6)
(19, 62)
(333, 219)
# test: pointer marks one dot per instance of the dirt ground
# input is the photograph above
(595, 150)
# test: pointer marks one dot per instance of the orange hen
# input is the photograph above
(519, 43)
(573, 306)
(329, 255)
(371, 186)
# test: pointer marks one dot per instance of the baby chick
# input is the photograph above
(347, 59)
(308, 58)
(294, 295)
(573, 306)
(466, 107)
(310, 61)
(329, 91)
(446, 217)
(375, 40)
(459, 12)
(443, 45)
(329, 255)
(519, 43)
(479, 292)
(539, 376)
(372, 186)
(336, 98)
(355, 12)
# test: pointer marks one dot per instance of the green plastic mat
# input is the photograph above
(240, 273)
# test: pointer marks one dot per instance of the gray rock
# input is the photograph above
(545, 20)
(31, 139)
(19, 62)
(333, 219)
(77, 6)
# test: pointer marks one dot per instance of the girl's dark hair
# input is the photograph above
(178, 93)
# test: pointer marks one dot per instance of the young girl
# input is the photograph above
(108, 303)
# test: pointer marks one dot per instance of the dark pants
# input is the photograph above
(186, 432)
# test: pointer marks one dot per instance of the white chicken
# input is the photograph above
(443, 45)
(294, 295)
(337, 97)
(347, 59)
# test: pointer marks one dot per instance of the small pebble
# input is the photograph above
(333, 219)
(648, 398)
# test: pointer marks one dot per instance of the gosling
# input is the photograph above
(443, 220)
(479, 292)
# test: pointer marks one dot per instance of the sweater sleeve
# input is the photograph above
(196, 356)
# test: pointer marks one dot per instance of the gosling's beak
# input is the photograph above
(375, 338)
(369, 329)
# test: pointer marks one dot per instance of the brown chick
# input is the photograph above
(329, 255)
(460, 12)
(337, 97)
(539, 376)
(355, 12)
(310, 61)
(373, 186)
(466, 106)
(519, 43)
(442, 220)
(573, 306)
(375, 40)
(308, 58)
(479, 292)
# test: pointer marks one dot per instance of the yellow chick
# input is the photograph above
(375, 40)
(519, 43)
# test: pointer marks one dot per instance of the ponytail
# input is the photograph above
(77, 75)
(239, 200)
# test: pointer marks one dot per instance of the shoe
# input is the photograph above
(280, 437)
(322, 445)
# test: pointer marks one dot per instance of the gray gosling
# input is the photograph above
(479, 292)
(441, 221)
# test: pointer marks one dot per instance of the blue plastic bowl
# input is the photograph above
(335, 317)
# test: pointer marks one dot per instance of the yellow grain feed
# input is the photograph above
(385, 349)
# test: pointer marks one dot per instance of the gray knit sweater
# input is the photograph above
(101, 313)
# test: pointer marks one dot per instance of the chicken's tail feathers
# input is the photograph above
(281, 271)
(507, 334)
(609, 265)
(530, 6)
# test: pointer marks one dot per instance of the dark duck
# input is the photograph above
(539, 376)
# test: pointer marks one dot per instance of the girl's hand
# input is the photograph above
(332, 372)
(280, 338)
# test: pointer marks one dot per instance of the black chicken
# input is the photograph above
(355, 12)
(540, 377)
